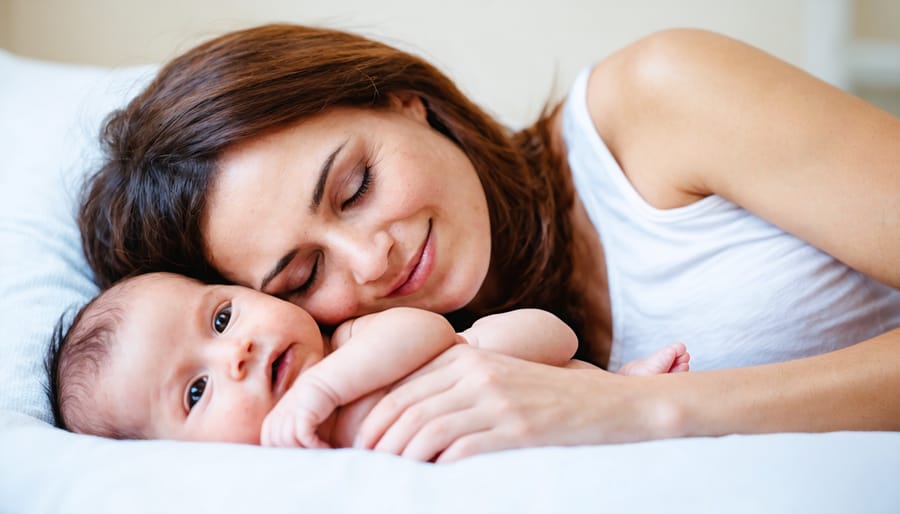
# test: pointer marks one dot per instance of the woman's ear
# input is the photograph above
(409, 104)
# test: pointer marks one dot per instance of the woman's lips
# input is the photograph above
(419, 268)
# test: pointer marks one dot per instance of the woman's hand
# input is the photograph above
(468, 401)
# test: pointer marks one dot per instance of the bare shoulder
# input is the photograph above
(637, 93)
(690, 113)
(653, 65)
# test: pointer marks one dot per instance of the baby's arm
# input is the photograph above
(371, 352)
(531, 334)
(539, 336)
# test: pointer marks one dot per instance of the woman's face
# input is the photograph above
(350, 212)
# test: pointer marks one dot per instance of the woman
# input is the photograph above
(730, 201)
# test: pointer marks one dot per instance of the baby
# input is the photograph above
(161, 356)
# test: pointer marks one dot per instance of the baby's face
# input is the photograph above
(200, 362)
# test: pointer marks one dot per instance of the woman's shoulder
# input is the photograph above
(652, 71)
(653, 62)
(690, 113)
(636, 93)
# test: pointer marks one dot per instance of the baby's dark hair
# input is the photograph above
(77, 357)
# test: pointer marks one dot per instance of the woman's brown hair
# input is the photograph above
(142, 210)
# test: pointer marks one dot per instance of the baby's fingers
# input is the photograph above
(290, 430)
(276, 431)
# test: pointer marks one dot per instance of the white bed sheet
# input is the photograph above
(49, 117)
(47, 470)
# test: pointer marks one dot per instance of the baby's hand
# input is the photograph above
(298, 414)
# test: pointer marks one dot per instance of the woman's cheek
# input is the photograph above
(331, 308)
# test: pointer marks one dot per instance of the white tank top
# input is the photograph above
(735, 289)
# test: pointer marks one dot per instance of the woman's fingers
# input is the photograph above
(476, 443)
(444, 432)
(426, 382)
(482, 401)
(432, 419)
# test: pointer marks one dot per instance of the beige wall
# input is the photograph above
(5, 24)
(505, 53)
(113, 32)
(878, 19)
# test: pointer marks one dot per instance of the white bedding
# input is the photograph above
(841, 472)
(49, 117)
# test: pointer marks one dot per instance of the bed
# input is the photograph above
(49, 118)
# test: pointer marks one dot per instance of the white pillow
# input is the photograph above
(49, 128)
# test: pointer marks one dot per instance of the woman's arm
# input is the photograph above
(688, 114)
(856, 388)
(466, 402)
(727, 119)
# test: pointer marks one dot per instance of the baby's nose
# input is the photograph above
(241, 352)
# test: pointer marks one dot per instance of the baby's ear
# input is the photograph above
(410, 104)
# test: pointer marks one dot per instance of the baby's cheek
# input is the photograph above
(241, 424)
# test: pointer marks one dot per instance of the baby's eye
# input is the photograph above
(221, 319)
(195, 392)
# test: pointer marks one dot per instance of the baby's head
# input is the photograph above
(162, 356)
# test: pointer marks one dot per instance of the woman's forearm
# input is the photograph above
(468, 401)
(856, 388)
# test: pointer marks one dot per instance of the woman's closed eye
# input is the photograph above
(195, 392)
(360, 187)
(357, 190)
(306, 284)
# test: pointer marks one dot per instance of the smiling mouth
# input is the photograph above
(419, 268)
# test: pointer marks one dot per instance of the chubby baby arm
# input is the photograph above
(531, 334)
(370, 352)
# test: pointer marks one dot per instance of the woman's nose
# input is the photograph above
(365, 254)
(237, 356)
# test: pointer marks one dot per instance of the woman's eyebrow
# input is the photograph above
(319, 191)
(314, 203)
(279, 266)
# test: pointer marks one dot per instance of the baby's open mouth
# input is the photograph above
(275, 366)
(281, 368)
